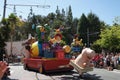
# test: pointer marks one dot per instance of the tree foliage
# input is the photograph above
(94, 27)
(110, 39)
(83, 25)
(89, 28)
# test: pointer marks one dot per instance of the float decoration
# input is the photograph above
(82, 63)
(51, 48)
(76, 46)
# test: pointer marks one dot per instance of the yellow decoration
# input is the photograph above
(34, 49)
(67, 48)
(77, 42)
(42, 29)
(49, 58)
(58, 31)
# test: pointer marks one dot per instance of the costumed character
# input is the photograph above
(37, 47)
(57, 38)
(40, 33)
(47, 31)
(76, 41)
(29, 41)
(28, 45)
(84, 59)
(76, 46)
(52, 41)
(41, 36)
(79, 42)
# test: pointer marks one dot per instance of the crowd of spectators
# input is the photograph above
(109, 61)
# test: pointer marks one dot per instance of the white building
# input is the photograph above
(17, 48)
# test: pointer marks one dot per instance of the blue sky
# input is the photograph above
(106, 10)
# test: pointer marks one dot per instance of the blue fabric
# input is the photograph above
(33, 26)
(40, 49)
(48, 54)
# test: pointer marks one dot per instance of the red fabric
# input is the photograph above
(60, 54)
(96, 58)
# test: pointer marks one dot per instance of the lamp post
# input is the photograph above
(88, 40)
(4, 11)
(88, 37)
(1, 25)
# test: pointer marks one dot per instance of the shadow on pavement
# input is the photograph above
(73, 75)
(7, 78)
(15, 64)
(61, 73)
(92, 77)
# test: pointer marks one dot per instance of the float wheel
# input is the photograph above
(41, 69)
(25, 67)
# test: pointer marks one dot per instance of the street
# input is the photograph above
(18, 73)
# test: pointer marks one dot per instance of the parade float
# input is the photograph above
(47, 55)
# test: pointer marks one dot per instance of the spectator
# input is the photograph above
(101, 61)
(119, 59)
(108, 61)
(116, 61)
(97, 60)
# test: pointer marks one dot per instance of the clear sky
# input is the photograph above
(106, 10)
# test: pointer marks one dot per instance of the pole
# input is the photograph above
(11, 44)
(88, 37)
(4, 11)
(12, 34)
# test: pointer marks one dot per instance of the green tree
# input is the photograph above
(59, 18)
(94, 27)
(69, 26)
(57, 13)
(2, 45)
(63, 16)
(4, 33)
(75, 24)
(15, 25)
(116, 21)
(5, 29)
(110, 39)
(69, 17)
(83, 26)
(51, 17)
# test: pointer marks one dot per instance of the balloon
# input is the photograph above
(34, 49)
(67, 48)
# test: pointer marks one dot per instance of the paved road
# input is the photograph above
(18, 73)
